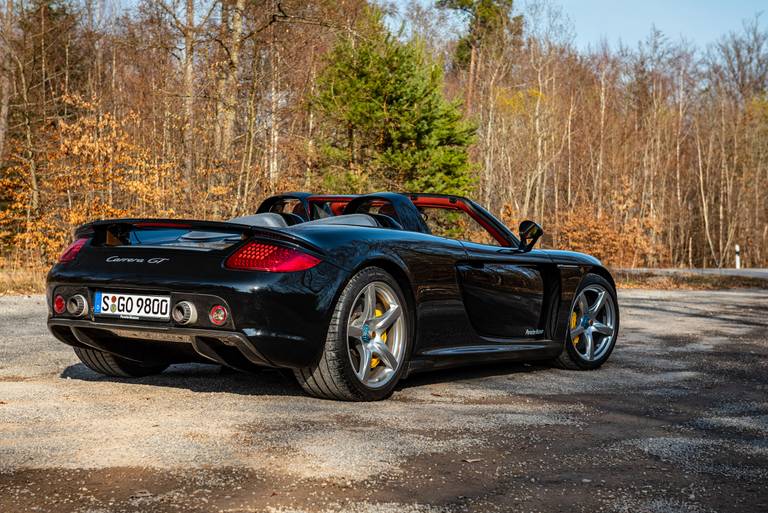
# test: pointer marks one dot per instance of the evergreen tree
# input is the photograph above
(388, 125)
(486, 19)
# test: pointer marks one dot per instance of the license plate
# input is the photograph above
(132, 306)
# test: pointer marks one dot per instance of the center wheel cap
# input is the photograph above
(366, 333)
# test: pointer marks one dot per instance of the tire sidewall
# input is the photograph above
(592, 279)
(345, 304)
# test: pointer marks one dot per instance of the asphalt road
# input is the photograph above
(758, 273)
(677, 421)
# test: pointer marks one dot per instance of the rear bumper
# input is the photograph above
(277, 319)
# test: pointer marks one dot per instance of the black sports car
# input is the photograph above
(352, 293)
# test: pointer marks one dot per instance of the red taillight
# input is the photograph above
(260, 256)
(218, 315)
(71, 252)
(59, 305)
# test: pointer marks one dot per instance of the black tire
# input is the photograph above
(570, 358)
(111, 365)
(333, 376)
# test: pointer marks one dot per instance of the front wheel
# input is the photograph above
(368, 341)
(593, 325)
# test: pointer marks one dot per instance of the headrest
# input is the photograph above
(267, 219)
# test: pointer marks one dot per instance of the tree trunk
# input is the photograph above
(189, 96)
(5, 74)
(273, 120)
(704, 202)
(470, 80)
(596, 196)
(232, 29)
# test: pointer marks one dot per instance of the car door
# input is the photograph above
(503, 291)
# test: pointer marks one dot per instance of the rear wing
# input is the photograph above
(118, 232)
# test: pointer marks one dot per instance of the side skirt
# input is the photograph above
(528, 350)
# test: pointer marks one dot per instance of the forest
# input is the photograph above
(651, 153)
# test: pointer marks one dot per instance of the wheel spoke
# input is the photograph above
(599, 304)
(364, 368)
(369, 302)
(383, 352)
(385, 321)
(575, 332)
(603, 329)
(583, 305)
(590, 345)
(355, 329)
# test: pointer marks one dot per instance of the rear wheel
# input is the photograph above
(367, 343)
(593, 325)
(111, 365)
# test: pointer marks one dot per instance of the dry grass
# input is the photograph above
(18, 280)
(626, 280)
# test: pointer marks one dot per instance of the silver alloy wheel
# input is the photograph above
(376, 334)
(593, 322)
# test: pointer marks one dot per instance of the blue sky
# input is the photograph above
(698, 21)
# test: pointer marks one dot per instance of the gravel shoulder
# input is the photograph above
(676, 421)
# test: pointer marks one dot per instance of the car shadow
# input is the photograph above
(471, 372)
(203, 378)
(280, 382)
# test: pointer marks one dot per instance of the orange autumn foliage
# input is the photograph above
(92, 171)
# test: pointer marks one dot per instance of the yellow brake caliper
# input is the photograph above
(375, 360)
(574, 320)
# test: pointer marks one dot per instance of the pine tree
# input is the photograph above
(387, 124)
(486, 19)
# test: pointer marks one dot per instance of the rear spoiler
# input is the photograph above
(115, 231)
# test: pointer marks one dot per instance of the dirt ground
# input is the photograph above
(676, 421)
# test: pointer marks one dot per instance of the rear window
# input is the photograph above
(156, 236)
(173, 237)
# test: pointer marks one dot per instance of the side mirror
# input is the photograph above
(530, 232)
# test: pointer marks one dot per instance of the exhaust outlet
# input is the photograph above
(77, 305)
(184, 313)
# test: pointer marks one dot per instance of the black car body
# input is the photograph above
(463, 302)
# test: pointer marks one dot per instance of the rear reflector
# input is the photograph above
(59, 305)
(260, 256)
(218, 315)
(71, 252)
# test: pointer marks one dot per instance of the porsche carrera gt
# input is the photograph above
(351, 293)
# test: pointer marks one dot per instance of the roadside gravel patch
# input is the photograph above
(366, 507)
(705, 456)
(661, 506)
(757, 424)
